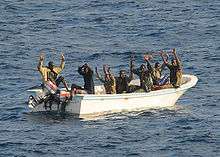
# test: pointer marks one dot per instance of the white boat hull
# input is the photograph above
(90, 104)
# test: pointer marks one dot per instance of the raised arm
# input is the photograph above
(175, 56)
(58, 69)
(113, 81)
(165, 61)
(146, 59)
(41, 62)
(62, 63)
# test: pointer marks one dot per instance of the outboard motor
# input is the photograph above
(50, 94)
(33, 102)
(48, 89)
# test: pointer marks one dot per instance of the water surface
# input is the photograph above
(108, 32)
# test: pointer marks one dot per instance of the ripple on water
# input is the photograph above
(108, 32)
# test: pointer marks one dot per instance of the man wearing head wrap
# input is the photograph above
(87, 74)
(51, 72)
(175, 69)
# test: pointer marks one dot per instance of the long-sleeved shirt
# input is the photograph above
(47, 74)
(145, 77)
(175, 74)
(110, 85)
(155, 72)
(122, 84)
(88, 79)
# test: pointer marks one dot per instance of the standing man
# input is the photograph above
(175, 69)
(51, 72)
(108, 80)
(87, 74)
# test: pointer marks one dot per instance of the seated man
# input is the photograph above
(156, 72)
(175, 70)
(122, 82)
(51, 72)
(145, 77)
(108, 80)
(87, 74)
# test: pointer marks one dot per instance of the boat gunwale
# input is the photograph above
(183, 87)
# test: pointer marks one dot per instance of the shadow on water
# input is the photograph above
(51, 117)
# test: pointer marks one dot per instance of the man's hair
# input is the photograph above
(50, 64)
(122, 71)
(172, 60)
(157, 64)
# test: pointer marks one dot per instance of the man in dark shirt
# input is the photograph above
(87, 74)
(122, 82)
(145, 77)
(175, 69)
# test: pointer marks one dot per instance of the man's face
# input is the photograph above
(157, 65)
(86, 69)
(50, 65)
(107, 77)
(174, 62)
(122, 74)
(143, 68)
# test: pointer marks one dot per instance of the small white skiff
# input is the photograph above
(82, 104)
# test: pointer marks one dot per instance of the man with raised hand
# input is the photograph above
(51, 72)
(87, 74)
(156, 71)
(175, 68)
(108, 80)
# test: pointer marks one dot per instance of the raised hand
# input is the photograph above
(62, 57)
(41, 57)
(147, 57)
(108, 70)
(161, 53)
(174, 51)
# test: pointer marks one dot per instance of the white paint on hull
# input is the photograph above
(89, 104)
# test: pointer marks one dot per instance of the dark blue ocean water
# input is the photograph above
(107, 32)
